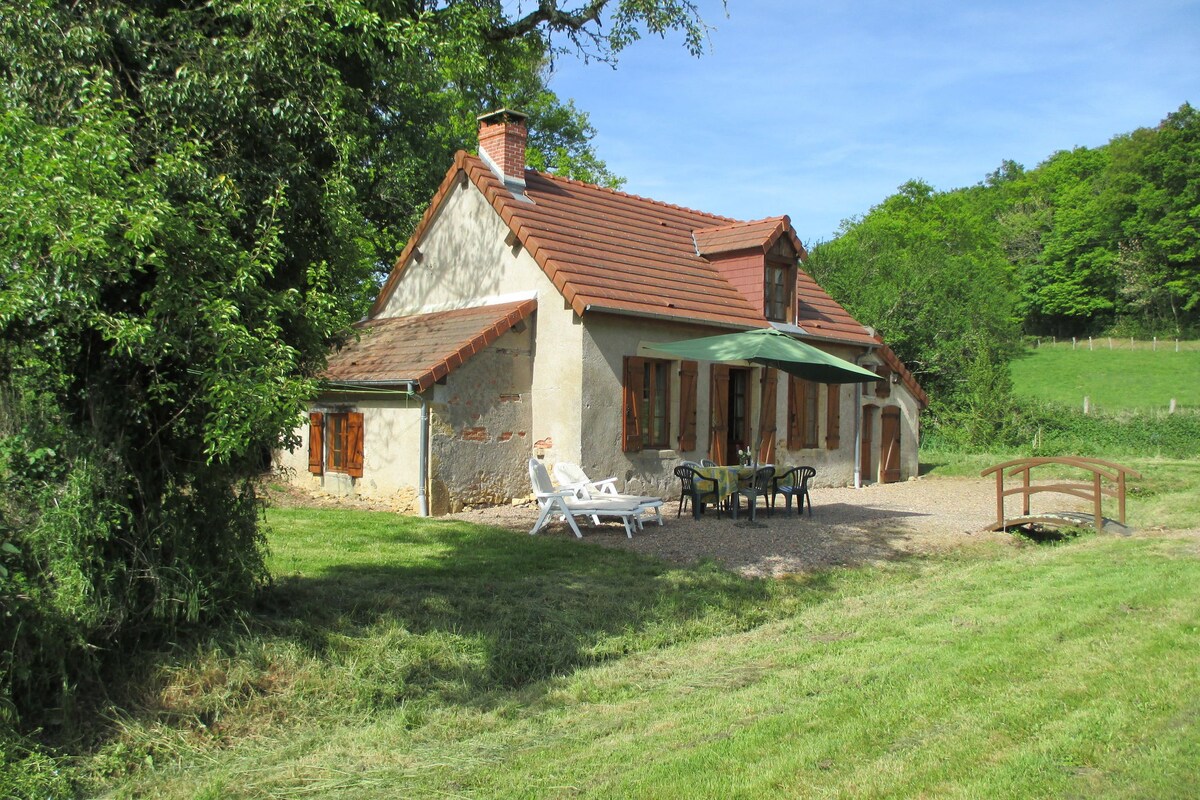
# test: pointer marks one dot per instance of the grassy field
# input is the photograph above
(408, 658)
(1114, 380)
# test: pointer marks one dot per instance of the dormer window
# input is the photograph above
(760, 259)
(779, 282)
(777, 299)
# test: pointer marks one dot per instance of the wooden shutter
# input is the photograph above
(688, 371)
(631, 435)
(354, 444)
(316, 443)
(833, 417)
(795, 412)
(766, 416)
(719, 405)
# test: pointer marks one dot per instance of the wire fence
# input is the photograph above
(1115, 343)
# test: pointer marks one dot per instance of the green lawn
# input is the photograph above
(406, 658)
(1114, 380)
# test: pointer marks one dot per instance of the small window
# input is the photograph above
(336, 443)
(647, 403)
(777, 295)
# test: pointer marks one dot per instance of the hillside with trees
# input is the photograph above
(1091, 241)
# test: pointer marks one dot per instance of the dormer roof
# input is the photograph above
(757, 236)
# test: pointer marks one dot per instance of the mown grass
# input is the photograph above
(1113, 380)
(407, 658)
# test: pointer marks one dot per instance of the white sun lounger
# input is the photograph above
(568, 505)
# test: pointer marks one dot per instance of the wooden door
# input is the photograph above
(718, 429)
(889, 445)
(868, 422)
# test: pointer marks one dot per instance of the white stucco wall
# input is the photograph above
(464, 259)
(609, 338)
(391, 426)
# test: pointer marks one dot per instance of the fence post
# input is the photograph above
(1086, 402)
(1155, 347)
(1072, 342)
(1172, 411)
(1089, 344)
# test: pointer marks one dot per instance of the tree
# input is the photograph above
(1153, 189)
(924, 269)
(196, 199)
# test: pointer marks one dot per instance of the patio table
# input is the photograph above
(729, 479)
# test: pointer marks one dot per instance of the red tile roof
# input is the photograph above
(759, 235)
(424, 347)
(822, 317)
(610, 251)
(606, 250)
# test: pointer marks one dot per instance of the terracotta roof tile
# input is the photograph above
(758, 235)
(823, 317)
(610, 251)
(424, 347)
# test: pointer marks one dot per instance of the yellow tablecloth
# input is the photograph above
(728, 478)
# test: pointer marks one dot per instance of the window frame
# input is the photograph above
(646, 411)
(778, 289)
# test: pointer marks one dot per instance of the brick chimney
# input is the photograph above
(502, 136)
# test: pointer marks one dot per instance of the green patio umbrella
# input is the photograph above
(772, 348)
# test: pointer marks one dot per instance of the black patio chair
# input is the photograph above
(693, 490)
(759, 486)
(793, 483)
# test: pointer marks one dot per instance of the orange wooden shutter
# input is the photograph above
(688, 371)
(634, 389)
(795, 441)
(354, 444)
(316, 444)
(833, 418)
(766, 416)
(719, 405)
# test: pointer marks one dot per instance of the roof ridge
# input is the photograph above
(745, 223)
(629, 195)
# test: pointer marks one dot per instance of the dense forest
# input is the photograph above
(1091, 241)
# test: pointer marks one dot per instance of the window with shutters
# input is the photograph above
(803, 402)
(335, 443)
(647, 403)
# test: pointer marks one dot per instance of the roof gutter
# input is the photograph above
(411, 389)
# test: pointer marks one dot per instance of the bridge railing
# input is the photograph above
(1107, 480)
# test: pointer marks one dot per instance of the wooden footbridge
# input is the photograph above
(1107, 480)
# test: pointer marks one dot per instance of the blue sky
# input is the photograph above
(821, 110)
